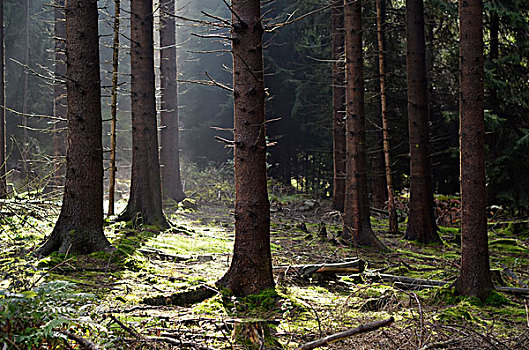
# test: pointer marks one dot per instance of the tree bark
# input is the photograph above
(338, 98)
(114, 108)
(169, 135)
(356, 224)
(79, 229)
(475, 277)
(251, 267)
(59, 105)
(3, 183)
(421, 222)
(145, 200)
(381, 23)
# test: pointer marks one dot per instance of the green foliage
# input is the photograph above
(30, 318)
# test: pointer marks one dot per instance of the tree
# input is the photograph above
(3, 184)
(114, 107)
(475, 277)
(421, 221)
(338, 98)
(251, 267)
(59, 105)
(381, 21)
(169, 135)
(79, 228)
(356, 222)
(145, 200)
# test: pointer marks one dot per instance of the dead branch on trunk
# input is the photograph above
(346, 334)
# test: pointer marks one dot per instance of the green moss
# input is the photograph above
(496, 299)
(464, 311)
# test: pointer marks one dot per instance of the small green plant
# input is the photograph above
(30, 318)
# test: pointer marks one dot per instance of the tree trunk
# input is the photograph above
(3, 184)
(338, 98)
(145, 201)
(25, 84)
(59, 105)
(475, 278)
(169, 135)
(381, 23)
(421, 222)
(114, 108)
(79, 229)
(378, 178)
(356, 222)
(251, 267)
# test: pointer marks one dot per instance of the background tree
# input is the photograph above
(79, 228)
(251, 268)
(338, 97)
(169, 134)
(421, 221)
(381, 19)
(114, 108)
(357, 225)
(3, 184)
(475, 278)
(145, 200)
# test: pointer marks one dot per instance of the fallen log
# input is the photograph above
(406, 280)
(411, 283)
(346, 334)
(356, 266)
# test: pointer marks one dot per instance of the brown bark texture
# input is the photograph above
(381, 23)
(421, 221)
(79, 229)
(59, 105)
(475, 277)
(338, 100)
(114, 108)
(3, 183)
(357, 225)
(251, 267)
(169, 135)
(145, 200)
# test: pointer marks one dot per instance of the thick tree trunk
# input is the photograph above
(421, 222)
(3, 184)
(169, 135)
(145, 201)
(114, 108)
(381, 22)
(338, 98)
(79, 229)
(475, 278)
(251, 267)
(59, 105)
(356, 222)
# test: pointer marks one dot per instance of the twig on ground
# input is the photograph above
(346, 334)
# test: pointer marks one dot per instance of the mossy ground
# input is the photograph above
(196, 251)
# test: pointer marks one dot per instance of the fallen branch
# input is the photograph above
(85, 343)
(356, 266)
(346, 334)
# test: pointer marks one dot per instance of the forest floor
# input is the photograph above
(104, 298)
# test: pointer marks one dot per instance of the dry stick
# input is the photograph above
(526, 311)
(346, 334)
(443, 344)
(85, 343)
